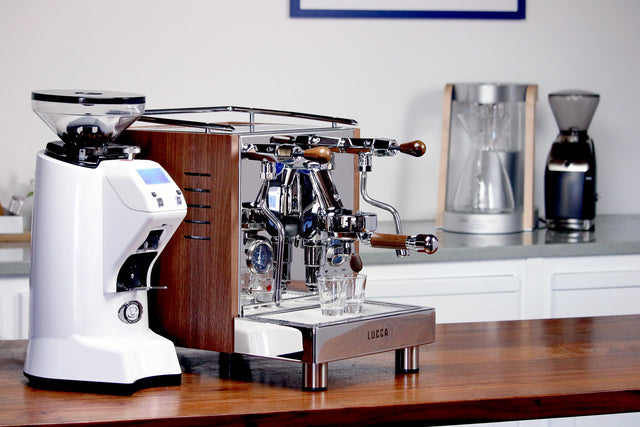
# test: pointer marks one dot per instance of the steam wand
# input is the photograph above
(426, 243)
(364, 166)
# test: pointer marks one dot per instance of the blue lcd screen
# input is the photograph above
(153, 176)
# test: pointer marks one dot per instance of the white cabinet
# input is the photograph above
(14, 307)
(592, 286)
(512, 289)
(460, 292)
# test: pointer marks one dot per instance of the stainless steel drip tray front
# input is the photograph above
(297, 330)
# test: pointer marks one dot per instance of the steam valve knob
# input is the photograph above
(414, 148)
(321, 155)
(355, 262)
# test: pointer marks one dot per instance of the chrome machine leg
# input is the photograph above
(315, 376)
(407, 360)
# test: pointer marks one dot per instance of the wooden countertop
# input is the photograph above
(475, 372)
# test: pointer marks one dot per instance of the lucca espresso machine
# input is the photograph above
(100, 221)
(570, 175)
(272, 208)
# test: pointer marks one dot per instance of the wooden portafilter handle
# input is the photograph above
(426, 243)
(414, 148)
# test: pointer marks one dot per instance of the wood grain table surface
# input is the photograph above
(474, 372)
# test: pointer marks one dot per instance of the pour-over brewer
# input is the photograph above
(486, 178)
(271, 208)
(570, 174)
(100, 221)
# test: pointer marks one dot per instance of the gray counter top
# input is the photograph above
(613, 235)
(14, 258)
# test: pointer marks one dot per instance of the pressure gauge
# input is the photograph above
(259, 254)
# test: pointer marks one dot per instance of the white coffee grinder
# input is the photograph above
(100, 221)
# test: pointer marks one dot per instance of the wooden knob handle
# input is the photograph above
(355, 263)
(252, 155)
(414, 148)
(318, 154)
(388, 241)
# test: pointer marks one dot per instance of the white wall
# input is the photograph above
(387, 74)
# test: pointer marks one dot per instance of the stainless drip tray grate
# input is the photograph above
(304, 311)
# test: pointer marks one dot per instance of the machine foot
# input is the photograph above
(315, 376)
(407, 360)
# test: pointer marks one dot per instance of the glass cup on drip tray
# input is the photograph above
(331, 290)
(355, 284)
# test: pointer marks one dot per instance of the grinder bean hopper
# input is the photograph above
(100, 221)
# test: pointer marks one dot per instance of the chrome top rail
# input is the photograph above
(147, 116)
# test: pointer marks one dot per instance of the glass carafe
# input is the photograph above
(484, 186)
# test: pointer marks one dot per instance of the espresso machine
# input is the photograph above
(570, 174)
(100, 221)
(273, 207)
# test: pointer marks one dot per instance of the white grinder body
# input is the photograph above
(96, 234)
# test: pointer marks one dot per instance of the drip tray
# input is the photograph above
(297, 330)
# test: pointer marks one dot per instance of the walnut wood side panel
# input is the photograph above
(474, 372)
(199, 266)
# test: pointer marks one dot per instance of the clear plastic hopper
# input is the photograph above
(573, 109)
(87, 118)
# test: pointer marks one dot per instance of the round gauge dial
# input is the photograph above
(259, 255)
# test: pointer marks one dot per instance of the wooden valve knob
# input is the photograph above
(318, 154)
(414, 148)
(355, 263)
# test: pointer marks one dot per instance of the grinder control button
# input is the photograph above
(130, 312)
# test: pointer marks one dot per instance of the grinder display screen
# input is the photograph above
(153, 176)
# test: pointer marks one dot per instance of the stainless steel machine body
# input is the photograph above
(296, 218)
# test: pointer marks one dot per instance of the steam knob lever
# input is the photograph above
(320, 154)
(414, 148)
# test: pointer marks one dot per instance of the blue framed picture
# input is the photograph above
(434, 9)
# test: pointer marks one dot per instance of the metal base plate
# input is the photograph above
(379, 327)
(296, 330)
